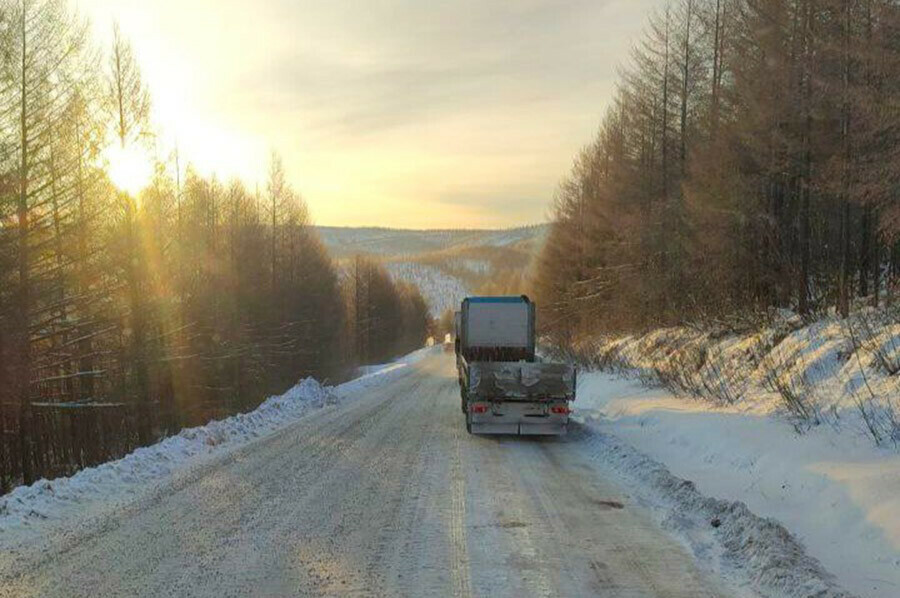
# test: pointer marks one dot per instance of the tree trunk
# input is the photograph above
(876, 272)
(685, 73)
(844, 291)
(665, 118)
(139, 326)
(865, 252)
(23, 312)
(803, 303)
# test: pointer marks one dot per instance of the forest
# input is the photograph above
(748, 163)
(128, 315)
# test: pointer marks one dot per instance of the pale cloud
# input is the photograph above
(388, 112)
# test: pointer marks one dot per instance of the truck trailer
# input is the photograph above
(505, 387)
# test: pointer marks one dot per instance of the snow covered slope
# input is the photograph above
(837, 494)
(442, 291)
(446, 265)
(343, 242)
(784, 420)
(841, 373)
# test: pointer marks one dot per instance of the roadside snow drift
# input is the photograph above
(841, 372)
(797, 421)
(28, 509)
(725, 536)
(834, 491)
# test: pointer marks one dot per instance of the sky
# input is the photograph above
(399, 113)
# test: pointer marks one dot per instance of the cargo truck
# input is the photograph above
(505, 388)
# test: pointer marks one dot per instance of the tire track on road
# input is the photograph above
(459, 565)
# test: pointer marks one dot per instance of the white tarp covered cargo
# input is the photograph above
(498, 323)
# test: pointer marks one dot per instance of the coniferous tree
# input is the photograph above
(125, 317)
(748, 163)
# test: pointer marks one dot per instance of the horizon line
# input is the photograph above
(405, 229)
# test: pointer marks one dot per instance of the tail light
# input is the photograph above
(560, 410)
(479, 408)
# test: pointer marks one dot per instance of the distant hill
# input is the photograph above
(347, 241)
(446, 265)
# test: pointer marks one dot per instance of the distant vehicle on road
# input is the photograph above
(505, 388)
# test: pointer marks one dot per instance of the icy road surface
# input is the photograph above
(383, 496)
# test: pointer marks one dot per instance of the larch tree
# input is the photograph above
(43, 44)
(129, 106)
(116, 326)
(748, 162)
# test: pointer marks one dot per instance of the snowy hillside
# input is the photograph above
(800, 422)
(446, 265)
(834, 372)
(441, 290)
(343, 242)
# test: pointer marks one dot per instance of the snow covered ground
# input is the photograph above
(831, 486)
(29, 510)
(840, 373)
(348, 241)
(533, 509)
(474, 266)
(441, 290)
(381, 496)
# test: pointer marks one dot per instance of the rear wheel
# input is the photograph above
(468, 423)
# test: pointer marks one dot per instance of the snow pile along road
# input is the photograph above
(842, 372)
(28, 509)
(725, 536)
(121, 479)
(726, 413)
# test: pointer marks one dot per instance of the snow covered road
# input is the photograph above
(382, 496)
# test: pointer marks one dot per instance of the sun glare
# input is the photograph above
(130, 169)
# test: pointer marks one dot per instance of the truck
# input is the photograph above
(505, 388)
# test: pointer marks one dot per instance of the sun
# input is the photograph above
(130, 169)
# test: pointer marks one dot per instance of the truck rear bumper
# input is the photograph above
(541, 429)
(513, 417)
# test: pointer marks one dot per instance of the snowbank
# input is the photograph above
(28, 509)
(844, 373)
(835, 491)
(725, 536)
(800, 422)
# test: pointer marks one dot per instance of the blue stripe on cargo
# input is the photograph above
(495, 300)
